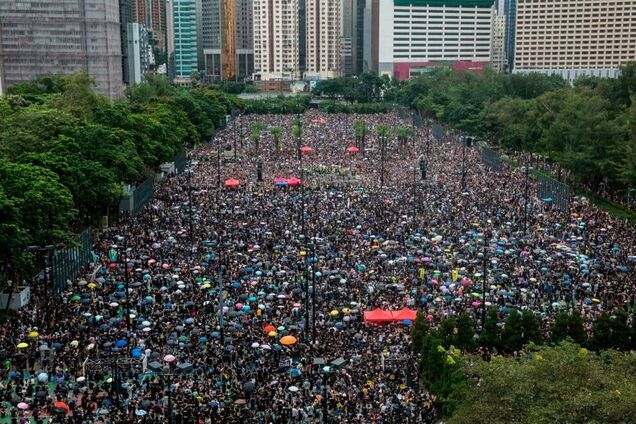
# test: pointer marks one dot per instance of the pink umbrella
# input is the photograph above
(352, 149)
(293, 181)
(231, 183)
(466, 282)
(239, 305)
(152, 261)
(476, 304)
(165, 266)
(23, 406)
(306, 149)
(169, 358)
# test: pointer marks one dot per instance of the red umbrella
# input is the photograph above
(231, 183)
(353, 149)
(62, 405)
(269, 328)
(293, 181)
(306, 149)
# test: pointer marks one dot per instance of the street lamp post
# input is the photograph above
(382, 148)
(189, 173)
(463, 141)
(218, 163)
(525, 202)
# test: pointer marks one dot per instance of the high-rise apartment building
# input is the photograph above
(324, 55)
(227, 39)
(125, 18)
(510, 13)
(276, 40)
(347, 36)
(182, 42)
(156, 18)
(572, 38)
(416, 34)
(140, 11)
(44, 37)
(498, 59)
(139, 52)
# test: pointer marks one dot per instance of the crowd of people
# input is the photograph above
(245, 304)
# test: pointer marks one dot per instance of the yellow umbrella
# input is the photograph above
(345, 310)
(33, 334)
(22, 345)
(92, 285)
(334, 313)
(303, 253)
(288, 340)
(272, 333)
(595, 300)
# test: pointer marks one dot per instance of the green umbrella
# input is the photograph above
(76, 298)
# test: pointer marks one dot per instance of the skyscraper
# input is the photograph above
(44, 37)
(276, 40)
(184, 39)
(324, 55)
(510, 12)
(227, 39)
(140, 11)
(574, 38)
(416, 34)
(157, 22)
(347, 36)
(125, 18)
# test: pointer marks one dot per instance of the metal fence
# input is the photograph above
(438, 132)
(491, 158)
(138, 198)
(553, 192)
(180, 161)
(67, 263)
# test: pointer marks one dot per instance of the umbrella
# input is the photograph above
(293, 182)
(249, 386)
(34, 334)
(272, 333)
(63, 406)
(280, 182)
(140, 412)
(76, 298)
(121, 343)
(22, 345)
(231, 183)
(169, 358)
(23, 406)
(288, 340)
(43, 377)
(269, 328)
(306, 149)
(293, 389)
(352, 149)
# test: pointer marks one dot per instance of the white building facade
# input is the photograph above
(323, 51)
(414, 35)
(276, 40)
(574, 38)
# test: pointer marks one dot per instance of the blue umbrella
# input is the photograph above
(295, 372)
(407, 322)
(136, 353)
(236, 284)
(281, 183)
(252, 298)
(121, 343)
(203, 339)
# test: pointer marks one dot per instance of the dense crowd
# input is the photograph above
(213, 288)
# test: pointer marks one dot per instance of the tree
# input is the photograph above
(276, 132)
(562, 383)
(619, 330)
(602, 333)
(255, 134)
(490, 337)
(465, 332)
(530, 328)
(512, 334)
(560, 328)
(419, 331)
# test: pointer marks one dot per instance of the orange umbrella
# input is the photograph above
(269, 328)
(288, 340)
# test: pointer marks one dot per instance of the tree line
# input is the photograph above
(443, 350)
(65, 153)
(588, 128)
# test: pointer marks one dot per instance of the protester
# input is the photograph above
(411, 243)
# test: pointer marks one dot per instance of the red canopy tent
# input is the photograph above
(378, 316)
(306, 149)
(231, 183)
(293, 181)
(403, 314)
(353, 149)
